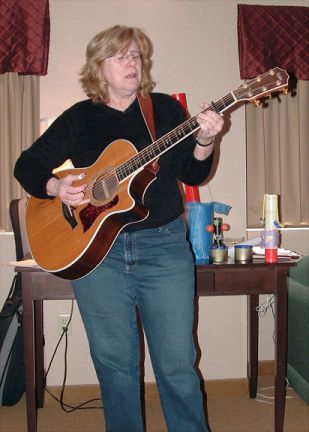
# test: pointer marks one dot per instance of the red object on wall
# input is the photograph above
(192, 192)
(182, 99)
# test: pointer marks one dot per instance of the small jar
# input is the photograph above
(243, 253)
(218, 255)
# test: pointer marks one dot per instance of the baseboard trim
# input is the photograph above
(75, 393)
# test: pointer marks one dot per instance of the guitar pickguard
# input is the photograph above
(89, 213)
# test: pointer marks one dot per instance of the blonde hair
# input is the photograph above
(106, 44)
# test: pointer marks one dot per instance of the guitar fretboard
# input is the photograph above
(169, 140)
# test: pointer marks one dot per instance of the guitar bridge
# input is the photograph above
(68, 215)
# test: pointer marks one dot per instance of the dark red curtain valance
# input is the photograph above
(24, 36)
(271, 36)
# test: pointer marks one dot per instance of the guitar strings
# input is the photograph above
(156, 148)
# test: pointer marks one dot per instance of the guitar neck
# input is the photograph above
(273, 80)
(171, 139)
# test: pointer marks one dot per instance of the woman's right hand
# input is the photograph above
(68, 194)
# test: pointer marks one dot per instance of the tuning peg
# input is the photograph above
(256, 102)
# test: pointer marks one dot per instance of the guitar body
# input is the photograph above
(72, 247)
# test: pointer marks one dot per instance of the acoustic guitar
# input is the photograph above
(71, 242)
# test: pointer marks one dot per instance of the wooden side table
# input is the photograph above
(225, 279)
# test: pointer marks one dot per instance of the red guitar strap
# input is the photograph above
(145, 104)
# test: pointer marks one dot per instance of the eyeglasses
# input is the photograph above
(121, 58)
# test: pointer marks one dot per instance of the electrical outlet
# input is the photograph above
(63, 322)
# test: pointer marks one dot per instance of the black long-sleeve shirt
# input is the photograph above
(83, 131)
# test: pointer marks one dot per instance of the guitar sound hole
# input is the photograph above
(105, 187)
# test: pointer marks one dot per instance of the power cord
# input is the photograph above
(266, 305)
(265, 398)
(262, 310)
(66, 407)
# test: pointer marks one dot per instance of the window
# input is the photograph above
(278, 157)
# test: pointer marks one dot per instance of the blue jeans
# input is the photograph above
(153, 270)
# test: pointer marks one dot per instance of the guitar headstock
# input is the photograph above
(274, 80)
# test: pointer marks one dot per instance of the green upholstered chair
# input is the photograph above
(298, 328)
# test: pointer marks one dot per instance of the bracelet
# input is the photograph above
(205, 145)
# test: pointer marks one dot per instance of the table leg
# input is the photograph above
(39, 352)
(29, 356)
(253, 342)
(281, 300)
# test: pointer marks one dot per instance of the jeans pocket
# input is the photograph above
(175, 228)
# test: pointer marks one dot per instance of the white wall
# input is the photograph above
(7, 254)
(196, 52)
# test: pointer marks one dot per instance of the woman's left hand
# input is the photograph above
(210, 123)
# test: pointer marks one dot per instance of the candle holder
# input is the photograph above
(218, 252)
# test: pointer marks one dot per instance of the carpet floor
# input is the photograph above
(229, 410)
